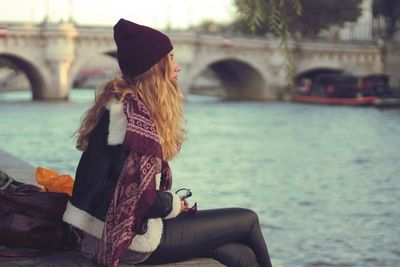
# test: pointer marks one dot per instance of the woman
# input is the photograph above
(121, 197)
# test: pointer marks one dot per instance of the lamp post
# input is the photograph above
(71, 11)
(46, 11)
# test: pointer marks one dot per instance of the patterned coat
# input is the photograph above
(96, 178)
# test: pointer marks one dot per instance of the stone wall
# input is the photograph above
(392, 64)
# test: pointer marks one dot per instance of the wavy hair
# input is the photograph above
(160, 95)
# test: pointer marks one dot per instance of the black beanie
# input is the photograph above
(139, 47)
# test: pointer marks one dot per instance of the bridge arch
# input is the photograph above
(309, 64)
(32, 71)
(313, 73)
(84, 59)
(239, 78)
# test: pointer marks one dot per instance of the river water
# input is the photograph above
(323, 179)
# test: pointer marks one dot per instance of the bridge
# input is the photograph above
(51, 56)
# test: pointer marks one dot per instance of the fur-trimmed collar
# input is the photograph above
(118, 123)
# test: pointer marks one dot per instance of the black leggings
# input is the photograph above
(231, 236)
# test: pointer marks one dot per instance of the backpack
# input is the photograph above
(31, 218)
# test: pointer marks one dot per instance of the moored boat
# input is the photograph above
(367, 100)
(341, 89)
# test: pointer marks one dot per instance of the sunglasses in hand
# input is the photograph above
(185, 193)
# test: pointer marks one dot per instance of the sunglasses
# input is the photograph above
(185, 193)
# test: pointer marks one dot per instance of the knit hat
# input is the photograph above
(139, 47)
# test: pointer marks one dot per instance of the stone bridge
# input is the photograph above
(51, 55)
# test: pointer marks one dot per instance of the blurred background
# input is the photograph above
(292, 109)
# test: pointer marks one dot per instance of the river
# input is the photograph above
(323, 179)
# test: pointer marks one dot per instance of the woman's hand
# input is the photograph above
(184, 205)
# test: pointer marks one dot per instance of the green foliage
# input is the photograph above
(278, 16)
(322, 14)
(285, 17)
(262, 16)
(390, 10)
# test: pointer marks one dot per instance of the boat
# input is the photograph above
(363, 100)
(341, 89)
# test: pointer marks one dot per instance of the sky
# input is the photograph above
(155, 13)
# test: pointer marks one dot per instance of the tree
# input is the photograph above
(322, 14)
(272, 13)
(282, 17)
(319, 15)
(261, 15)
(390, 10)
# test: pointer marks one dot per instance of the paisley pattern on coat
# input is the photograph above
(135, 190)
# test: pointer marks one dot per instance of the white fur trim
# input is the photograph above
(176, 206)
(150, 240)
(147, 242)
(83, 220)
(118, 123)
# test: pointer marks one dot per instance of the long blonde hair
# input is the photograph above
(160, 95)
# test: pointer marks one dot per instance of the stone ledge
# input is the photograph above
(75, 259)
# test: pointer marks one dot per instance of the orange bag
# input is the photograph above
(52, 181)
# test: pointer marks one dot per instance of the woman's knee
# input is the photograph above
(249, 215)
(236, 255)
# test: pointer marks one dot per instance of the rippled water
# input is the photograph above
(323, 179)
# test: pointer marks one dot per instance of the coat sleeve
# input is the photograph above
(167, 205)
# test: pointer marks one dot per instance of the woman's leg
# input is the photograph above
(205, 233)
(236, 255)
